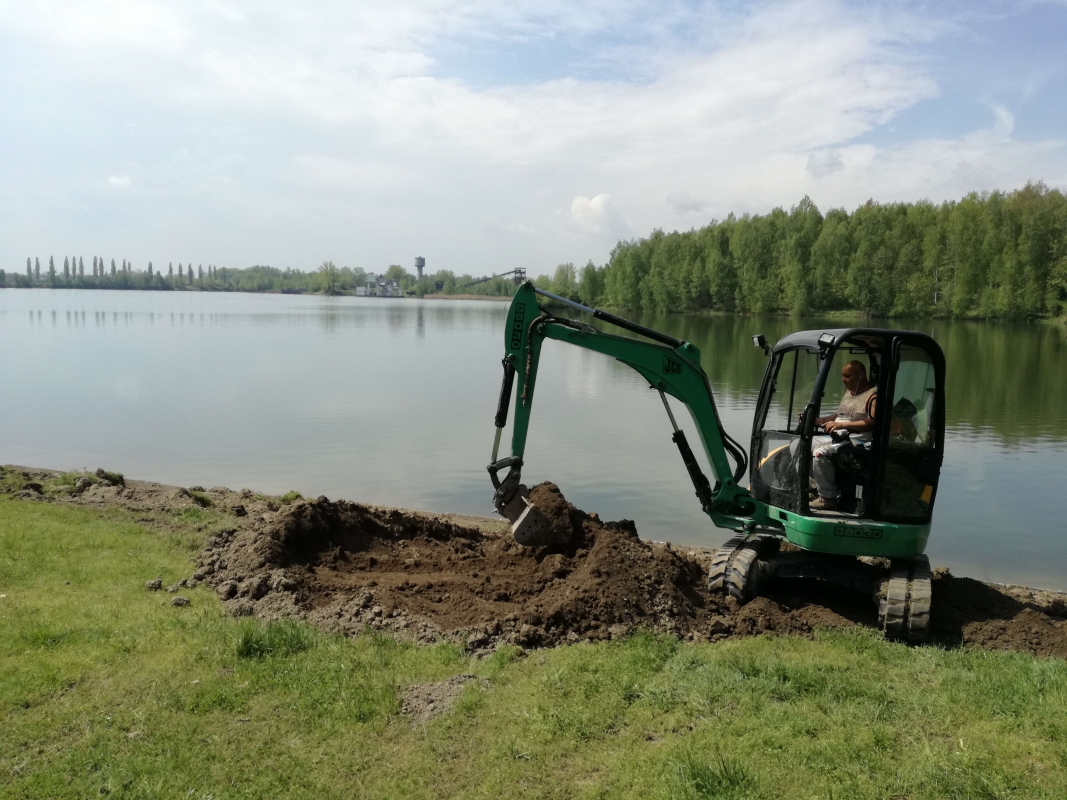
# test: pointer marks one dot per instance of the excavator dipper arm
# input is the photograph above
(670, 366)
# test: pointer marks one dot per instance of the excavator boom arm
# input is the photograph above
(670, 366)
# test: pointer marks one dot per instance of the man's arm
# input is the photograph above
(856, 425)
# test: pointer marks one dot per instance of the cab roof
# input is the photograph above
(810, 339)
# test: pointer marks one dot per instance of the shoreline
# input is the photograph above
(343, 562)
(494, 525)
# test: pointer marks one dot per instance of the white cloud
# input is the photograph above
(825, 162)
(355, 174)
(597, 215)
(347, 125)
(682, 203)
(943, 168)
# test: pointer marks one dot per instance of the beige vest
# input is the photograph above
(856, 407)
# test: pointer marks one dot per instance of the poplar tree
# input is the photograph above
(149, 269)
(180, 275)
(29, 269)
(170, 270)
(37, 267)
(66, 267)
(51, 269)
(113, 266)
(199, 272)
(81, 267)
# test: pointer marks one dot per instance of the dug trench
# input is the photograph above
(349, 567)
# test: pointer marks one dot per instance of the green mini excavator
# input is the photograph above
(872, 541)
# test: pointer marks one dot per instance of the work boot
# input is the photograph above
(823, 504)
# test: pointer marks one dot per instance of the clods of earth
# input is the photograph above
(349, 567)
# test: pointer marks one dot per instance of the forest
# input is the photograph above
(987, 256)
(999, 255)
(328, 278)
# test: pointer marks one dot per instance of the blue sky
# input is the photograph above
(493, 134)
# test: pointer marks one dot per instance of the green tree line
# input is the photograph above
(72, 274)
(991, 255)
(328, 278)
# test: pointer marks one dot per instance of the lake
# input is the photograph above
(391, 402)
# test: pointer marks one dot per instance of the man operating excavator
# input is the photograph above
(890, 524)
(856, 416)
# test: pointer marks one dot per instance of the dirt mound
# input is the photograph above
(349, 567)
(969, 612)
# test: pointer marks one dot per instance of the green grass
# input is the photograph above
(107, 689)
(200, 498)
(55, 484)
(276, 638)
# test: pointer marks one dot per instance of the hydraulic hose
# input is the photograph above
(625, 324)
(736, 452)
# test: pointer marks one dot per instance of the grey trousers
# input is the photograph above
(822, 467)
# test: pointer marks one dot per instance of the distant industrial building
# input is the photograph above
(378, 286)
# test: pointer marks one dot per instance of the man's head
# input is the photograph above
(902, 420)
(854, 376)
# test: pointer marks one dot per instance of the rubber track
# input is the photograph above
(920, 598)
(904, 607)
(732, 565)
(720, 562)
(904, 599)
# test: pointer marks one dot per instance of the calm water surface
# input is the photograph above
(391, 402)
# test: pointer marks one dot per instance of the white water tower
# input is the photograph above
(420, 265)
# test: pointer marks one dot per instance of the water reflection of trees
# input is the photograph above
(1008, 379)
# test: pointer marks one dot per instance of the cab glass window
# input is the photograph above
(791, 391)
(777, 452)
(911, 466)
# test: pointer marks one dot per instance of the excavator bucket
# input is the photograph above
(529, 526)
(532, 528)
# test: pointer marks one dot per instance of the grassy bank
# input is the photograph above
(106, 688)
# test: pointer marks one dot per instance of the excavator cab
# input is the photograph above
(886, 478)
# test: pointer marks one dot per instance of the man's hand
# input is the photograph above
(856, 425)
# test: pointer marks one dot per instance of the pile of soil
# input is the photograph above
(349, 567)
